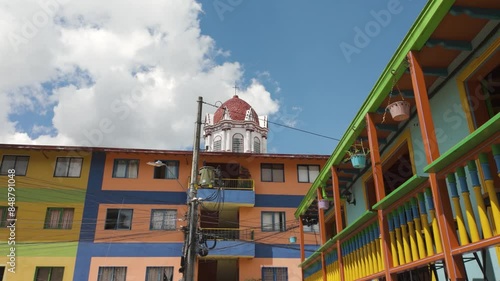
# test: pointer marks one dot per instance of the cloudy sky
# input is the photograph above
(128, 73)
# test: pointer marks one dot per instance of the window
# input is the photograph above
(59, 218)
(112, 274)
(256, 145)
(68, 167)
(273, 221)
(2, 272)
(311, 228)
(49, 273)
(19, 163)
(274, 274)
(238, 143)
(7, 214)
(162, 219)
(217, 143)
(272, 172)
(126, 168)
(169, 171)
(160, 273)
(307, 173)
(119, 219)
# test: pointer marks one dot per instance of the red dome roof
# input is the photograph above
(237, 109)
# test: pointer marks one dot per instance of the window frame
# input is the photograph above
(15, 163)
(166, 211)
(282, 227)
(99, 273)
(162, 268)
(50, 273)
(61, 217)
(256, 140)
(308, 172)
(69, 167)
(5, 215)
(272, 167)
(166, 162)
(274, 272)
(217, 143)
(128, 160)
(238, 145)
(118, 217)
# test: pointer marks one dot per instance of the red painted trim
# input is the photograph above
(418, 263)
(302, 244)
(476, 246)
(454, 267)
(380, 193)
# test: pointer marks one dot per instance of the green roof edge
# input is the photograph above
(430, 17)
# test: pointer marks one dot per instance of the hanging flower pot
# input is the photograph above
(400, 110)
(358, 161)
(323, 204)
(293, 239)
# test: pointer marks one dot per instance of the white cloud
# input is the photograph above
(113, 73)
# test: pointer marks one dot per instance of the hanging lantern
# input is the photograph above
(323, 204)
(207, 176)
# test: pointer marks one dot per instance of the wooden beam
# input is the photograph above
(473, 12)
(454, 267)
(338, 217)
(459, 45)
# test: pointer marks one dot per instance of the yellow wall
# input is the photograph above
(26, 267)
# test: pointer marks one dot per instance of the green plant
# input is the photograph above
(357, 149)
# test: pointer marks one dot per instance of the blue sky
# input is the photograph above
(94, 74)
(298, 43)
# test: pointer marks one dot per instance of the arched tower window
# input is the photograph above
(217, 143)
(237, 143)
(256, 145)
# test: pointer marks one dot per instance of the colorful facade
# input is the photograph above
(425, 204)
(108, 215)
(48, 190)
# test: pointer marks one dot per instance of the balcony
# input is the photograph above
(229, 242)
(237, 192)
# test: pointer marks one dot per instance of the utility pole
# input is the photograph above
(192, 201)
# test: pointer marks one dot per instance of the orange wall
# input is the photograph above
(252, 268)
(136, 267)
(250, 217)
(146, 182)
(141, 218)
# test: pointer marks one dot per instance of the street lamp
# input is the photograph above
(191, 243)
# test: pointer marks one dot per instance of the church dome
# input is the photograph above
(237, 110)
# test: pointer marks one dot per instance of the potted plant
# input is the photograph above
(400, 110)
(357, 155)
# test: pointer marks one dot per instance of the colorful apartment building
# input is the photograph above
(411, 192)
(46, 186)
(112, 214)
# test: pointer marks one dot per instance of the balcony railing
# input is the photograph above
(228, 234)
(231, 184)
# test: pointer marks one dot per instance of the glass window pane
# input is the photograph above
(266, 173)
(267, 221)
(42, 273)
(62, 166)
(111, 218)
(303, 173)
(120, 168)
(278, 175)
(21, 165)
(75, 167)
(124, 219)
(313, 173)
(172, 170)
(57, 274)
(133, 168)
(8, 163)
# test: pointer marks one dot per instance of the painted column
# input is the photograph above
(248, 143)
(263, 149)
(322, 231)
(302, 242)
(380, 193)
(228, 139)
(223, 141)
(208, 142)
(338, 217)
(454, 266)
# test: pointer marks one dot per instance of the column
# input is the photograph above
(454, 265)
